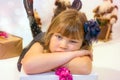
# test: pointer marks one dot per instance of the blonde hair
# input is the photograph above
(68, 23)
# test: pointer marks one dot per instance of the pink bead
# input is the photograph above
(63, 73)
(62, 78)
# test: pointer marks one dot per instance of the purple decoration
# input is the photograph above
(92, 30)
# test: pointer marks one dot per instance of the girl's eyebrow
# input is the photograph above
(75, 40)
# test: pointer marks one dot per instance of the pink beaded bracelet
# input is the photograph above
(63, 73)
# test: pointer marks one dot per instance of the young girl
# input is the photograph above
(63, 45)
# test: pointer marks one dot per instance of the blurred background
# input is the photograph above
(13, 19)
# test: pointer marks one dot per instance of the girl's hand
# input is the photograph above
(81, 53)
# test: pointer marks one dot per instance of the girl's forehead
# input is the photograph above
(70, 36)
(71, 30)
(74, 36)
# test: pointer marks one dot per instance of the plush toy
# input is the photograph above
(106, 15)
(77, 4)
(37, 18)
(62, 5)
(34, 19)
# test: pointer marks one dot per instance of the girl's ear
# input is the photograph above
(77, 4)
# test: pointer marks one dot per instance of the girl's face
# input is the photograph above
(59, 43)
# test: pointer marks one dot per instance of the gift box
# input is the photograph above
(10, 46)
(52, 76)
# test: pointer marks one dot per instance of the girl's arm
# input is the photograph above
(80, 65)
(35, 61)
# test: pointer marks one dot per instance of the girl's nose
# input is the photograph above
(64, 44)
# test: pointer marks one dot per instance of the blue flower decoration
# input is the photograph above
(92, 30)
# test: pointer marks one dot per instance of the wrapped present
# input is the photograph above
(10, 46)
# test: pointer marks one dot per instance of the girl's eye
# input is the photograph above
(72, 41)
(59, 36)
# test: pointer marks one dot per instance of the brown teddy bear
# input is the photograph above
(62, 5)
(106, 15)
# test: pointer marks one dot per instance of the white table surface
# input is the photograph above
(52, 76)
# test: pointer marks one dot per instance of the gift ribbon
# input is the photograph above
(4, 34)
(63, 73)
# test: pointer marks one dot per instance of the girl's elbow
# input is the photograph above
(83, 70)
(86, 69)
(30, 68)
(27, 67)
